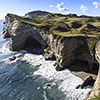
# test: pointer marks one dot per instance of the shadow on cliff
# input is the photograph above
(80, 65)
(32, 46)
(82, 56)
(87, 63)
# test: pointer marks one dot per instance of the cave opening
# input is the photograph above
(81, 65)
(32, 45)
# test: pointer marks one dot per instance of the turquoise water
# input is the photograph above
(30, 77)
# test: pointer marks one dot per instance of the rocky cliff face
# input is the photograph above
(43, 15)
(96, 89)
(23, 35)
(66, 49)
(70, 49)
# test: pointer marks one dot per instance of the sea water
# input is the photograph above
(30, 77)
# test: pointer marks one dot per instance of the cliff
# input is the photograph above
(43, 15)
(68, 39)
(96, 88)
(23, 35)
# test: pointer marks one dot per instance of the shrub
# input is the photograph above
(48, 48)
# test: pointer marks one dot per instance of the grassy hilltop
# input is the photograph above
(64, 25)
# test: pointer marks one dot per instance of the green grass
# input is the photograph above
(96, 98)
(48, 48)
(96, 23)
(62, 26)
(75, 33)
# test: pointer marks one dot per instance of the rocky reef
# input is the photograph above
(65, 49)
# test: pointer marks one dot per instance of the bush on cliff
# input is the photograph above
(96, 98)
(48, 48)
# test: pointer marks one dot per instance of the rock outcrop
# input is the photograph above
(69, 49)
(12, 58)
(65, 50)
(49, 55)
(44, 15)
(96, 88)
(88, 81)
(23, 35)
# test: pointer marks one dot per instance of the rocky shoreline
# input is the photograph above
(65, 50)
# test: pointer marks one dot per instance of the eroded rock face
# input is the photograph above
(87, 81)
(49, 55)
(19, 32)
(65, 49)
(69, 49)
(96, 88)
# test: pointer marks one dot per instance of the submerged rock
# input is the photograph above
(48, 85)
(78, 86)
(12, 58)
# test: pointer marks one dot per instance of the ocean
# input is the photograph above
(30, 77)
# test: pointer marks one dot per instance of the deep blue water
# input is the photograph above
(27, 77)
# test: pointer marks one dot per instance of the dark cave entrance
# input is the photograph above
(81, 65)
(32, 45)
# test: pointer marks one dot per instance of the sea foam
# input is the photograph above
(65, 81)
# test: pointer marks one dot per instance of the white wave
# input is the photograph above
(1, 33)
(5, 49)
(66, 81)
(23, 51)
(44, 95)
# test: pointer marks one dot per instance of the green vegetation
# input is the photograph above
(48, 48)
(64, 25)
(91, 42)
(96, 98)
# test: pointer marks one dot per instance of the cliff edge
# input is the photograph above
(67, 39)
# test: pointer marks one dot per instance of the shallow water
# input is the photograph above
(30, 77)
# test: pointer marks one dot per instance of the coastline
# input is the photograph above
(83, 75)
(64, 49)
(80, 70)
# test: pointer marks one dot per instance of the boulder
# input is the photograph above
(88, 81)
(78, 86)
(58, 68)
(48, 85)
(12, 58)
(55, 64)
(49, 55)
